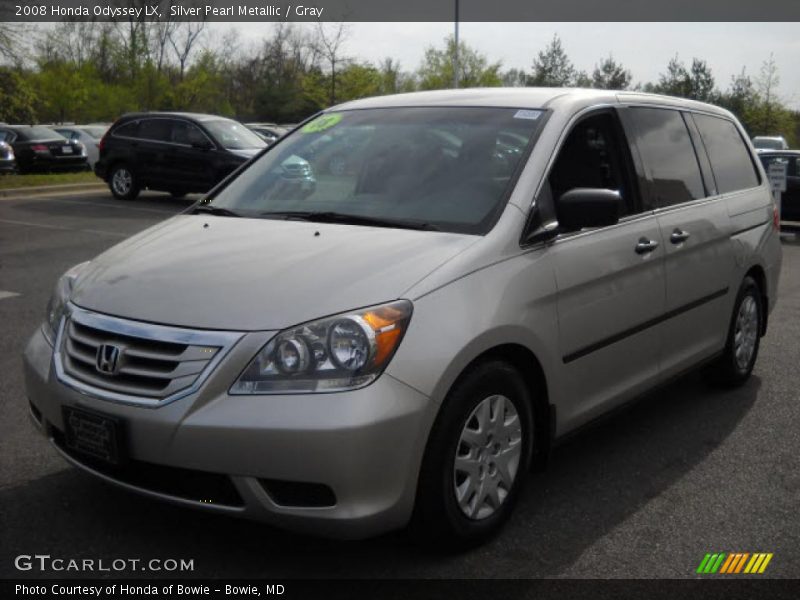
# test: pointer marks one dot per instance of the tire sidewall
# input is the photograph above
(748, 288)
(436, 500)
(134, 190)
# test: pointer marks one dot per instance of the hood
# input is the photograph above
(210, 272)
(245, 152)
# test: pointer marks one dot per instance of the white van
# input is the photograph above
(488, 271)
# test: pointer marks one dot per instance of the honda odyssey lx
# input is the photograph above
(493, 269)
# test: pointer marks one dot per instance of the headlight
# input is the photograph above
(338, 353)
(58, 301)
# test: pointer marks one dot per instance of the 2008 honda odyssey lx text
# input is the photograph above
(490, 270)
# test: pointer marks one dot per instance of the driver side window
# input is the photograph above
(593, 156)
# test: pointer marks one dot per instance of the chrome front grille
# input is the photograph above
(134, 362)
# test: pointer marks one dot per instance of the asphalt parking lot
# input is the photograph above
(685, 471)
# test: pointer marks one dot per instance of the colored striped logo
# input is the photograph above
(734, 562)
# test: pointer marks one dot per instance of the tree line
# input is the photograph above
(96, 71)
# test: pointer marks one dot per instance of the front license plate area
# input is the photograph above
(93, 435)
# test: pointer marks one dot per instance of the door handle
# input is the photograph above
(678, 236)
(645, 246)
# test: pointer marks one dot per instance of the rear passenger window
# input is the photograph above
(730, 160)
(155, 129)
(668, 155)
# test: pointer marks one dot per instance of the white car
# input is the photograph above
(770, 142)
(88, 135)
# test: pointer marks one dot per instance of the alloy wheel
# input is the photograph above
(487, 457)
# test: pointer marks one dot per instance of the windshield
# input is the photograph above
(233, 135)
(444, 167)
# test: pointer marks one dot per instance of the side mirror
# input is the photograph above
(588, 207)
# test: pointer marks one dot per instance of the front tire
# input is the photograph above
(477, 459)
(736, 363)
(123, 183)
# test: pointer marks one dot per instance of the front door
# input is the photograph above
(610, 280)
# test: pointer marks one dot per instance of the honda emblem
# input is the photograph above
(107, 359)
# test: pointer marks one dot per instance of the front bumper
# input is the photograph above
(365, 446)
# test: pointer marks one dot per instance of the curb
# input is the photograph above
(51, 189)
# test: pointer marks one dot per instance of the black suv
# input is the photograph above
(178, 153)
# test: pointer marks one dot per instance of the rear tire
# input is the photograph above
(477, 458)
(123, 183)
(736, 363)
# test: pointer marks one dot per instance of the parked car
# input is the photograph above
(770, 142)
(790, 199)
(38, 148)
(178, 153)
(88, 135)
(402, 344)
(8, 164)
(269, 132)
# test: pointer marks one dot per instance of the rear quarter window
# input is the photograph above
(730, 159)
(668, 155)
(130, 130)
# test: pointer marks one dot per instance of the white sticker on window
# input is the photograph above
(528, 114)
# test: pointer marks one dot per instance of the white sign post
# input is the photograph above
(777, 180)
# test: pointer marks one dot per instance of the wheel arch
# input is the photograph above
(525, 361)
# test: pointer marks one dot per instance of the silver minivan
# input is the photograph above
(487, 271)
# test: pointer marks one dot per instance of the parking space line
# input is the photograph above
(4, 295)
(93, 205)
(61, 228)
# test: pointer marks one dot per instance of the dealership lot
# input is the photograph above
(647, 493)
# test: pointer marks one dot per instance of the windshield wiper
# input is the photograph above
(348, 219)
(214, 210)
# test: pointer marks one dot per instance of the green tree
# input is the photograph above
(474, 69)
(515, 78)
(17, 97)
(201, 88)
(62, 91)
(770, 116)
(701, 82)
(358, 81)
(552, 67)
(675, 82)
(582, 80)
(611, 75)
(741, 98)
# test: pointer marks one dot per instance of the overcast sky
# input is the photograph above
(644, 48)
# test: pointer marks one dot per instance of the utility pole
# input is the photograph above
(455, 53)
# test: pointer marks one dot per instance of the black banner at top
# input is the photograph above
(398, 10)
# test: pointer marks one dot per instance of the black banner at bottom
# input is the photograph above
(406, 589)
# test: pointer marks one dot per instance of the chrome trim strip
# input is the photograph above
(225, 340)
